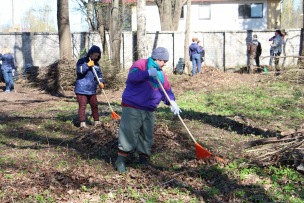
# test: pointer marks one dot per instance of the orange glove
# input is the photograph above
(101, 85)
(90, 63)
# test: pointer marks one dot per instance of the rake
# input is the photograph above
(114, 115)
(201, 152)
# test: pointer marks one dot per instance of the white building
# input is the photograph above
(220, 15)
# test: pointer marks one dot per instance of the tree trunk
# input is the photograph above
(65, 45)
(141, 29)
(301, 61)
(115, 36)
(188, 64)
(169, 13)
(91, 18)
(101, 29)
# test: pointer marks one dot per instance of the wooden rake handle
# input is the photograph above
(168, 98)
(101, 87)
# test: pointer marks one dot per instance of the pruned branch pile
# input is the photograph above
(286, 147)
(58, 77)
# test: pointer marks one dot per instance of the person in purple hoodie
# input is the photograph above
(195, 55)
(8, 68)
(140, 99)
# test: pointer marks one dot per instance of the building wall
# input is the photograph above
(226, 50)
(223, 16)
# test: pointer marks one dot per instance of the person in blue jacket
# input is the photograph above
(140, 99)
(7, 69)
(86, 84)
(195, 55)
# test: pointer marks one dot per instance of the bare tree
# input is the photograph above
(96, 16)
(115, 35)
(64, 31)
(291, 14)
(301, 61)
(141, 28)
(106, 17)
(187, 36)
(38, 20)
(101, 27)
(169, 13)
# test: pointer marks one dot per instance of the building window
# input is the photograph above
(182, 12)
(251, 10)
(204, 12)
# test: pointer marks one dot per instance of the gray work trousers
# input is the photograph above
(136, 130)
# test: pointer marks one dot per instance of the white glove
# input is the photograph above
(174, 108)
(152, 72)
(13, 72)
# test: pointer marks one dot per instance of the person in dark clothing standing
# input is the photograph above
(8, 68)
(254, 51)
(86, 84)
(195, 56)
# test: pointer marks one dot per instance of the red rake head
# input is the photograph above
(201, 152)
(115, 116)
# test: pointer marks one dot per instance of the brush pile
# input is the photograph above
(295, 75)
(54, 79)
(286, 147)
(58, 77)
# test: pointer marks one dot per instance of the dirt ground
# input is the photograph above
(100, 144)
(209, 80)
(26, 98)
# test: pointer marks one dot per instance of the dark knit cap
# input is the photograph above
(94, 49)
(160, 53)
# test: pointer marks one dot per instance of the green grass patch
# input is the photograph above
(277, 101)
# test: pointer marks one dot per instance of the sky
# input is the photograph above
(14, 11)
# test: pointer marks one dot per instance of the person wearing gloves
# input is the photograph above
(140, 99)
(8, 68)
(86, 84)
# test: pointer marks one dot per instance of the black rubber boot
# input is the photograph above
(120, 163)
(144, 159)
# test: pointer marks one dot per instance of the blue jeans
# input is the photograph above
(271, 57)
(196, 63)
(8, 78)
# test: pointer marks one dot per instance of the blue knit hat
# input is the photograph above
(160, 53)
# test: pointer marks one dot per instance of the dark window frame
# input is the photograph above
(245, 11)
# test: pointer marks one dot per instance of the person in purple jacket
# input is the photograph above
(195, 55)
(140, 99)
(8, 68)
(86, 84)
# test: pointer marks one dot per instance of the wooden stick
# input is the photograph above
(177, 114)
(282, 150)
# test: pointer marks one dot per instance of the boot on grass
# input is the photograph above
(120, 163)
(144, 159)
